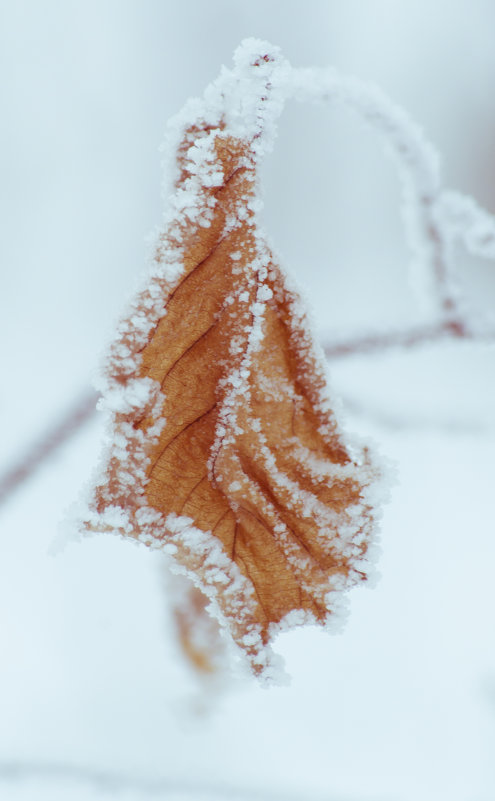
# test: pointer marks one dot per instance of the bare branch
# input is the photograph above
(404, 339)
(107, 782)
(40, 451)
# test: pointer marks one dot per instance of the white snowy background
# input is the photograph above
(95, 700)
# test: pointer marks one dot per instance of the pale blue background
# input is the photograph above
(402, 705)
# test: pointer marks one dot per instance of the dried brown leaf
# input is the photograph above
(225, 449)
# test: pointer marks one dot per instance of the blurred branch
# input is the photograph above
(41, 450)
(404, 339)
(435, 217)
(395, 421)
(469, 223)
(111, 783)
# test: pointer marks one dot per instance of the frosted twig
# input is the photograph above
(40, 451)
(468, 222)
(434, 217)
(418, 165)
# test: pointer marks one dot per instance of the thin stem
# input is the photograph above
(417, 162)
(41, 450)
(404, 339)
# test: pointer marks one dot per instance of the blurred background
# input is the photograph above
(95, 699)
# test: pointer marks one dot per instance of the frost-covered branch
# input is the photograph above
(418, 165)
(435, 218)
(469, 223)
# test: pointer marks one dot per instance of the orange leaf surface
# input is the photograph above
(224, 447)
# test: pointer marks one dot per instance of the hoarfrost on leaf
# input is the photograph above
(225, 448)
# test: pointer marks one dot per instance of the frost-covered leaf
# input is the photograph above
(224, 449)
